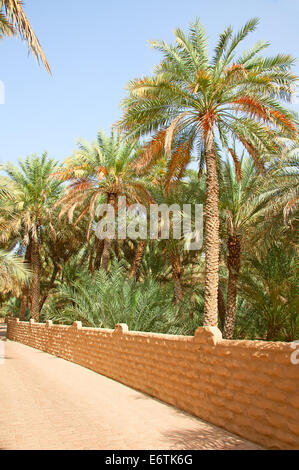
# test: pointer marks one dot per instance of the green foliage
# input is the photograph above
(12, 307)
(13, 273)
(270, 287)
(105, 299)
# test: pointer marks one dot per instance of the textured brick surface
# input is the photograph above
(49, 403)
(247, 387)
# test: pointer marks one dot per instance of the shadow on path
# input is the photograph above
(207, 437)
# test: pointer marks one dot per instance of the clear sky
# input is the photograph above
(94, 47)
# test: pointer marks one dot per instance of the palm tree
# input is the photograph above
(194, 102)
(242, 203)
(37, 194)
(154, 178)
(58, 246)
(101, 172)
(14, 22)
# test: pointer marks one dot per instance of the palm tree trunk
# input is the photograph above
(137, 260)
(211, 234)
(107, 241)
(35, 286)
(106, 254)
(221, 307)
(25, 290)
(24, 303)
(99, 253)
(51, 284)
(233, 264)
(176, 273)
(90, 262)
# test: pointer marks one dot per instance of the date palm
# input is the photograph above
(100, 172)
(242, 203)
(58, 247)
(14, 22)
(194, 102)
(37, 194)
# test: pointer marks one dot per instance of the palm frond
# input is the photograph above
(17, 18)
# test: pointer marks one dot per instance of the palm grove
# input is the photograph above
(227, 116)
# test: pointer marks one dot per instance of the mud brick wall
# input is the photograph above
(250, 388)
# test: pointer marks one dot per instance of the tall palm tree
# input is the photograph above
(155, 178)
(100, 172)
(242, 204)
(14, 22)
(194, 102)
(58, 247)
(37, 194)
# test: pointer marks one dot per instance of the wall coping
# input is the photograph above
(204, 335)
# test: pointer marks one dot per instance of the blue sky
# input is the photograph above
(94, 48)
